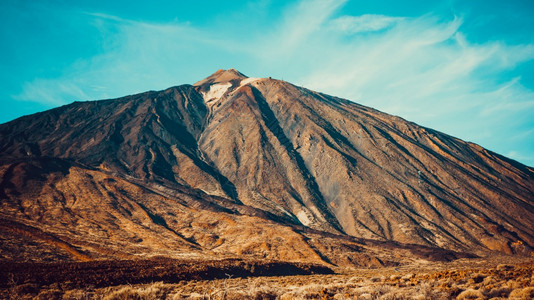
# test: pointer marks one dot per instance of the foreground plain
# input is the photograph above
(500, 277)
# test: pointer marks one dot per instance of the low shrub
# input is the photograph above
(470, 294)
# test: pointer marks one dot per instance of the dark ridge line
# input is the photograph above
(333, 132)
(410, 209)
(293, 192)
(188, 141)
(33, 232)
(6, 183)
(273, 125)
(158, 220)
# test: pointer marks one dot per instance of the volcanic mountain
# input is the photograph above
(237, 166)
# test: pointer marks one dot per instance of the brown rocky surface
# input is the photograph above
(246, 167)
(69, 212)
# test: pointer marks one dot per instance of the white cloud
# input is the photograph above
(136, 56)
(424, 69)
(299, 24)
(51, 92)
(519, 156)
(363, 23)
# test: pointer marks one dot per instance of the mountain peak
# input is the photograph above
(222, 76)
(275, 163)
(220, 83)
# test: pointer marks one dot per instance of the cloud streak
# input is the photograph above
(363, 23)
(424, 69)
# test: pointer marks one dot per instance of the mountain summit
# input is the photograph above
(252, 166)
(222, 76)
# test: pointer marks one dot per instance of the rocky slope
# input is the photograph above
(241, 166)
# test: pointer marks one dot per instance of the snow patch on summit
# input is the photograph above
(216, 91)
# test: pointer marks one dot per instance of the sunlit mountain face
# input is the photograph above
(234, 166)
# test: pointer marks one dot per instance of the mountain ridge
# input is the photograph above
(295, 156)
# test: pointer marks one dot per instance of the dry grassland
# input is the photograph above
(462, 279)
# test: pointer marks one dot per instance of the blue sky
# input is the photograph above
(465, 68)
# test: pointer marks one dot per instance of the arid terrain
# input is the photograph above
(486, 278)
(203, 190)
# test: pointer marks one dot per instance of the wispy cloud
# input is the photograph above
(424, 69)
(136, 56)
(51, 92)
(363, 23)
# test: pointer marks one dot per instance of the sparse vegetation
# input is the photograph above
(456, 280)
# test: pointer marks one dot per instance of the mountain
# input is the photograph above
(238, 166)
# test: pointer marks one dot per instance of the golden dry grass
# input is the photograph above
(474, 279)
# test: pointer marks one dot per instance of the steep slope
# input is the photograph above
(264, 154)
(150, 136)
(387, 178)
(364, 172)
(56, 210)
